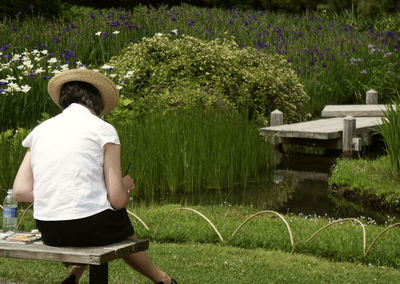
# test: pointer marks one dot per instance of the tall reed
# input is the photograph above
(390, 130)
(189, 150)
(11, 155)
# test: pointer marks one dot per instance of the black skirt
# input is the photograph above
(103, 228)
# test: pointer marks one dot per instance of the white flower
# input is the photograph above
(158, 34)
(52, 60)
(98, 33)
(64, 67)
(119, 87)
(10, 78)
(174, 32)
(20, 67)
(112, 75)
(25, 88)
(13, 87)
(128, 74)
(55, 71)
(105, 66)
(39, 70)
(37, 59)
(115, 32)
(44, 52)
(16, 57)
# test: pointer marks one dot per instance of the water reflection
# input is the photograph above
(299, 185)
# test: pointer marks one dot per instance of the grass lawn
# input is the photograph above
(213, 263)
(374, 183)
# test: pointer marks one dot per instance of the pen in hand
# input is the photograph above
(127, 169)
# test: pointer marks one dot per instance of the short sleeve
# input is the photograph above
(27, 142)
(108, 134)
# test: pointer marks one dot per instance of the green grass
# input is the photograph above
(374, 176)
(341, 242)
(213, 263)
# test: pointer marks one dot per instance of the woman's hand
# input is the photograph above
(128, 183)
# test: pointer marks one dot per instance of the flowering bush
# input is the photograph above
(23, 85)
(177, 71)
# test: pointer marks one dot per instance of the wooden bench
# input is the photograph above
(96, 257)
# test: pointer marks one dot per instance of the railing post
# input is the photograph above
(276, 118)
(349, 131)
(371, 97)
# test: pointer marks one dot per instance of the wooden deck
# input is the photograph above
(322, 129)
(353, 110)
(329, 131)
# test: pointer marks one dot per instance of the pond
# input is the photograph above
(299, 185)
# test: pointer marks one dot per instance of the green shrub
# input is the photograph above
(176, 71)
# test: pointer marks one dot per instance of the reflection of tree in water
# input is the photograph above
(272, 195)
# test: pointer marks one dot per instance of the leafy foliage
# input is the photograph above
(171, 71)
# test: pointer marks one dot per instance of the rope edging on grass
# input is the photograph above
(195, 211)
(273, 212)
(340, 221)
(140, 220)
(378, 236)
(23, 215)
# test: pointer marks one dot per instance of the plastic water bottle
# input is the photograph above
(10, 213)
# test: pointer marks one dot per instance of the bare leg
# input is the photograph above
(141, 262)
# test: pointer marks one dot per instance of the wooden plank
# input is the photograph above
(353, 110)
(78, 255)
(321, 129)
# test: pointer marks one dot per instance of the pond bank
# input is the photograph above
(367, 182)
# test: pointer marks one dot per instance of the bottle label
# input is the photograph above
(10, 212)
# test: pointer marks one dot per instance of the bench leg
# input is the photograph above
(98, 274)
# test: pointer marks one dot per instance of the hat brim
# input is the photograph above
(108, 91)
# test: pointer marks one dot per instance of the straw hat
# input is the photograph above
(106, 87)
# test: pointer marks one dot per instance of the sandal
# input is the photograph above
(72, 280)
(172, 281)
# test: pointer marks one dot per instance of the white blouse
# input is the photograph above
(67, 157)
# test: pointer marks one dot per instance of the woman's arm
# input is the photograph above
(23, 183)
(117, 187)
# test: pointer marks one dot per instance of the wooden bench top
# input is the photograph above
(75, 255)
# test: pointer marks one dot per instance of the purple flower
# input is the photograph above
(363, 71)
(2, 90)
(230, 21)
(46, 77)
(92, 15)
(31, 6)
(32, 74)
(173, 18)
(105, 35)
(13, 28)
(289, 59)
(332, 57)
(309, 69)
(18, 14)
(3, 83)
(191, 22)
(27, 36)
(4, 47)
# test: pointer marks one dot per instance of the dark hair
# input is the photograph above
(81, 93)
